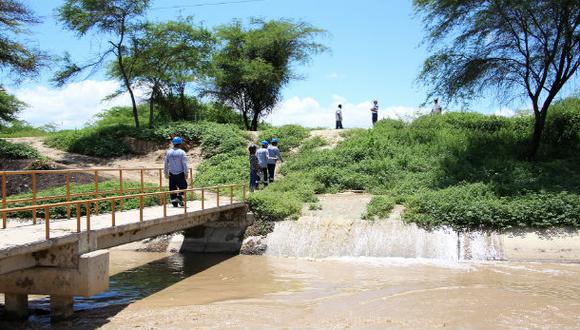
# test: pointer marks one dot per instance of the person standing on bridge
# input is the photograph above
(176, 170)
(263, 156)
(273, 157)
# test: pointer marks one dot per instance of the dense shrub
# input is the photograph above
(274, 207)
(10, 150)
(23, 129)
(379, 207)
(289, 136)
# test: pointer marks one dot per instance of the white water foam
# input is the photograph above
(315, 238)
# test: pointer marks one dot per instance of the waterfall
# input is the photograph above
(318, 238)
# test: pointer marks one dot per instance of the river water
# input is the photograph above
(163, 291)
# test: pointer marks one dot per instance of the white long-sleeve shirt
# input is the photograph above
(175, 162)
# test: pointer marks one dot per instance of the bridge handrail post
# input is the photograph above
(141, 208)
(202, 198)
(142, 181)
(96, 191)
(3, 200)
(46, 222)
(121, 188)
(68, 194)
(164, 205)
(34, 197)
(217, 189)
(79, 217)
(113, 206)
(185, 202)
(88, 209)
(160, 184)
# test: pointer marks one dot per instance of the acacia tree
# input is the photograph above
(16, 58)
(112, 18)
(167, 57)
(254, 63)
(520, 48)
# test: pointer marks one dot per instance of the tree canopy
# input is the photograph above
(519, 48)
(254, 63)
(112, 18)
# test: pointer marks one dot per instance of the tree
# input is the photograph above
(21, 60)
(112, 18)
(520, 48)
(254, 64)
(167, 57)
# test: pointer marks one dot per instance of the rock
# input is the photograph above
(254, 245)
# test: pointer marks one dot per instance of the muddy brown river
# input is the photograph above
(162, 291)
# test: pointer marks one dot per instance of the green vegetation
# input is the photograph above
(60, 212)
(379, 207)
(289, 136)
(10, 150)
(18, 128)
(465, 170)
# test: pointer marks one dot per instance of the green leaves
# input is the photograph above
(10, 150)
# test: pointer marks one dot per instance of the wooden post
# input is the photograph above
(34, 197)
(231, 194)
(185, 202)
(46, 222)
(202, 198)
(121, 188)
(79, 217)
(68, 194)
(88, 207)
(141, 208)
(113, 212)
(4, 200)
(142, 182)
(160, 185)
(164, 205)
(217, 192)
(97, 192)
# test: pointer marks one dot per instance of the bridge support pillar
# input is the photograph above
(16, 306)
(61, 307)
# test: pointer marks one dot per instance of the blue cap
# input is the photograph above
(274, 140)
(264, 143)
(177, 140)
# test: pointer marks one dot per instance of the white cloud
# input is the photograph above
(505, 112)
(71, 106)
(310, 113)
(334, 76)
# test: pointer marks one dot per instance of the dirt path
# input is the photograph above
(72, 160)
(333, 136)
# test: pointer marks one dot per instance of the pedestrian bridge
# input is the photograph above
(57, 244)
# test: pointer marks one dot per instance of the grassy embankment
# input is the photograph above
(464, 170)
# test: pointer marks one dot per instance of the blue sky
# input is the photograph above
(375, 53)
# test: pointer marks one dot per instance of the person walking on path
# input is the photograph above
(254, 168)
(263, 155)
(339, 117)
(175, 169)
(273, 157)
(436, 107)
(375, 112)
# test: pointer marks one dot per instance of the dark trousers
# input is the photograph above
(339, 124)
(375, 118)
(265, 176)
(177, 182)
(271, 171)
(254, 180)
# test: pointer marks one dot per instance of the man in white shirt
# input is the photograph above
(375, 112)
(436, 107)
(339, 117)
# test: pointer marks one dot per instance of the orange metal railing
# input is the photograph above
(68, 196)
(113, 200)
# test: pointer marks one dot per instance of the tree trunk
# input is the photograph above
(119, 47)
(255, 120)
(539, 123)
(246, 119)
(151, 109)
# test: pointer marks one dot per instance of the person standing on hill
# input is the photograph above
(254, 168)
(339, 117)
(436, 107)
(175, 169)
(375, 112)
(273, 157)
(263, 155)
